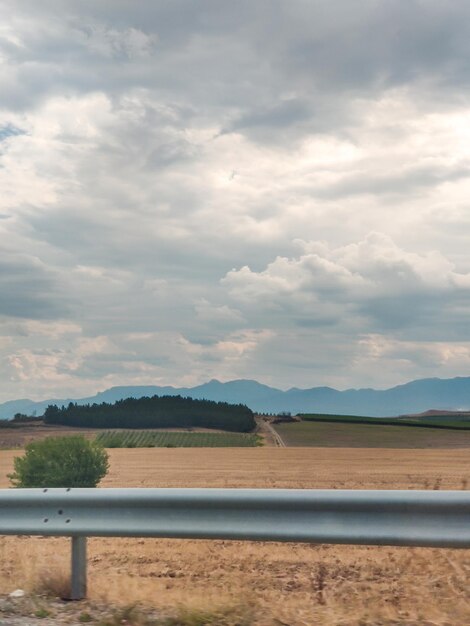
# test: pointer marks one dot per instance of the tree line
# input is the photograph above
(154, 412)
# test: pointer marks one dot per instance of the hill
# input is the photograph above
(417, 396)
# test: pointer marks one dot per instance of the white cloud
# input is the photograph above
(223, 314)
(354, 274)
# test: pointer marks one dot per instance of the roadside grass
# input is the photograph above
(53, 583)
(242, 615)
(135, 615)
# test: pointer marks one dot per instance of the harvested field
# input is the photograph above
(331, 434)
(290, 584)
(287, 468)
(19, 437)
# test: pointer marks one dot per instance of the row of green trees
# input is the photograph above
(154, 412)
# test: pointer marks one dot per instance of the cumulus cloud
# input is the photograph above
(369, 286)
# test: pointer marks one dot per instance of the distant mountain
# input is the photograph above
(413, 397)
(8, 409)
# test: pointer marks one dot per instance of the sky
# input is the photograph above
(276, 190)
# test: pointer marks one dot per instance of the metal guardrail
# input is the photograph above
(393, 518)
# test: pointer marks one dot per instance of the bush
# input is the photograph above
(60, 462)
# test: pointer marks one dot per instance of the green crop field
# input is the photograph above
(439, 421)
(433, 421)
(337, 434)
(156, 439)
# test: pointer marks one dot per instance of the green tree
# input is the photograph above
(60, 462)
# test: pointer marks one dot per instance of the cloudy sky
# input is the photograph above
(191, 190)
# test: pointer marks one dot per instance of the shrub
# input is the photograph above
(60, 462)
(53, 582)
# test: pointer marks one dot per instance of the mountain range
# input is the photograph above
(414, 397)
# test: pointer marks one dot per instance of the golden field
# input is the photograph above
(291, 584)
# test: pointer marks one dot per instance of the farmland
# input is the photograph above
(451, 421)
(364, 435)
(182, 439)
(22, 435)
(290, 583)
(17, 438)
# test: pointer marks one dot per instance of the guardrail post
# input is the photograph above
(78, 581)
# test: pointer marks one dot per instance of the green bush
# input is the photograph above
(60, 462)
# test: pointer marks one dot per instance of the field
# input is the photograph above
(19, 437)
(338, 434)
(156, 439)
(281, 584)
(452, 420)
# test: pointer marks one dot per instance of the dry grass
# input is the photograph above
(53, 582)
(306, 468)
(279, 584)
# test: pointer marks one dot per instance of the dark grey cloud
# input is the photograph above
(278, 114)
(400, 183)
(30, 290)
(251, 57)
(381, 43)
